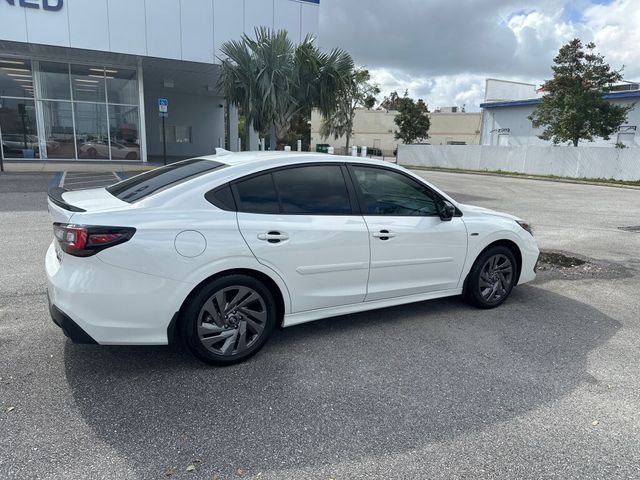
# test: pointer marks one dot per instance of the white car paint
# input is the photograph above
(326, 265)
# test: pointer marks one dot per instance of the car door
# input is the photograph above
(302, 221)
(413, 251)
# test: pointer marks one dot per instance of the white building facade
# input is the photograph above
(82, 79)
(506, 123)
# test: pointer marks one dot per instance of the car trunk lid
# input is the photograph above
(64, 204)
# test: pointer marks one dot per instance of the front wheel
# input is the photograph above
(229, 320)
(491, 278)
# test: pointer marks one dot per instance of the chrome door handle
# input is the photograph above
(273, 237)
(384, 235)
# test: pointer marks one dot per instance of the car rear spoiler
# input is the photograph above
(55, 195)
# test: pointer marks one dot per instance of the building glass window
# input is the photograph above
(58, 130)
(16, 78)
(92, 135)
(122, 86)
(88, 83)
(124, 130)
(88, 111)
(18, 128)
(54, 81)
(176, 134)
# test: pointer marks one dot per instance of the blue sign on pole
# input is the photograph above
(163, 107)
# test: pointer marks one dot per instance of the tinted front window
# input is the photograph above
(313, 190)
(145, 184)
(391, 193)
(257, 195)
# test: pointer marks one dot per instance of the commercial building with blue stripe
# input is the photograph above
(508, 105)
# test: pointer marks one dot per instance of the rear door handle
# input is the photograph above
(384, 235)
(273, 237)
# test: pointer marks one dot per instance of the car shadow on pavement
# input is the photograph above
(343, 389)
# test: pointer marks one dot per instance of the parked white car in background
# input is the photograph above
(219, 250)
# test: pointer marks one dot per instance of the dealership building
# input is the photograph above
(83, 79)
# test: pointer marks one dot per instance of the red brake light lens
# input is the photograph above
(84, 241)
(104, 238)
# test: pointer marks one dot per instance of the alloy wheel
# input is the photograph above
(232, 320)
(496, 278)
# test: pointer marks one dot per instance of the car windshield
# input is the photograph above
(145, 184)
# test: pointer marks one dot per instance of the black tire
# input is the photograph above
(481, 289)
(197, 315)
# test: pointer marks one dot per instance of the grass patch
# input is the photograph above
(556, 178)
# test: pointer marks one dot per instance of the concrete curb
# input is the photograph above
(98, 167)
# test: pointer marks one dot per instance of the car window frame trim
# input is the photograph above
(362, 200)
(351, 192)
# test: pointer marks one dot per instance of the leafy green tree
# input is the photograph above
(359, 92)
(392, 101)
(572, 108)
(412, 120)
(272, 79)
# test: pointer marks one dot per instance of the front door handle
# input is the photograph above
(273, 237)
(384, 234)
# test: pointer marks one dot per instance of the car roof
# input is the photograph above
(241, 158)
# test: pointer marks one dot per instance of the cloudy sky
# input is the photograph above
(443, 50)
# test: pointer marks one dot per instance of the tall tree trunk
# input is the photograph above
(347, 147)
(575, 142)
(282, 135)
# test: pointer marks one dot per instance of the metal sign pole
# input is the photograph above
(164, 142)
(163, 109)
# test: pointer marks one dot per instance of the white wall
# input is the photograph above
(575, 162)
(190, 30)
(521, 132)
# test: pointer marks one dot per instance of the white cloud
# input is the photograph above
(616, 32)
(442, 51)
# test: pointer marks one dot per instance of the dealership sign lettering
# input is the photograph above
(51, 5)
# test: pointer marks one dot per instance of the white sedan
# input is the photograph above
(219, 250)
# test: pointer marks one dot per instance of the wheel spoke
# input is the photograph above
(207, 329)
(242, 336)
(227, 348)
(248, 300)
(256, 327)
(241, 293)
(210, 308)
(259, 316)
(212, 340)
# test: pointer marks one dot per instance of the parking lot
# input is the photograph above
(546, 386)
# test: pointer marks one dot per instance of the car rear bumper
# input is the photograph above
(94, 302)
(70, 328)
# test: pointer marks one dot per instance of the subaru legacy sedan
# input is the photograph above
(217, 251)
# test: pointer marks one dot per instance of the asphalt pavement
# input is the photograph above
(546, 386)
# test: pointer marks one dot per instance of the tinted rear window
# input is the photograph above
(313, 190)
(145, 184)
(258, 195)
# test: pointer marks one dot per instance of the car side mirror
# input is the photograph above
(446, 211)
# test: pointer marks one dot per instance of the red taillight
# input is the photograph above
(104, 238)
(84, 241)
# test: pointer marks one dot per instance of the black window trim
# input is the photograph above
(362, 200)
(351, 192)
(211, 194)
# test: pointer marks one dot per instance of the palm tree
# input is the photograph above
(271, 79)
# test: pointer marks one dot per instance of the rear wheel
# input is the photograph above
(229, 320)
(491, 278)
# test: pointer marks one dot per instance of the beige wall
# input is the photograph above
(375, 128)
